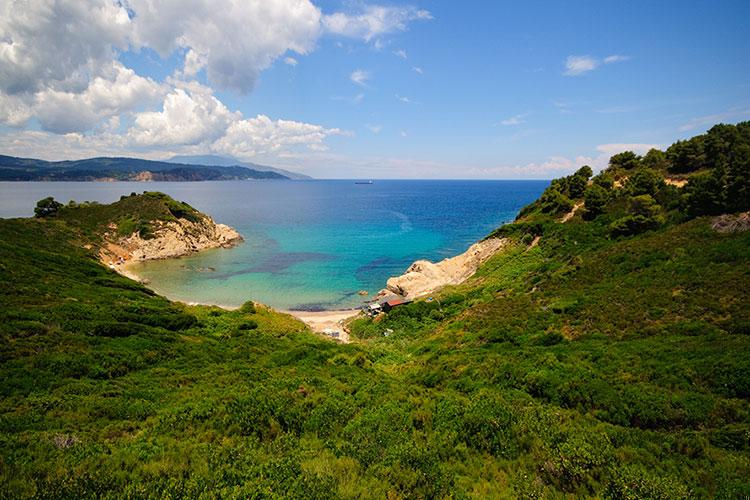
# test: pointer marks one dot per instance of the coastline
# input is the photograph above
(322, 322)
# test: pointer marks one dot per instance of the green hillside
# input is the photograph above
(124, 169)
(604, 356)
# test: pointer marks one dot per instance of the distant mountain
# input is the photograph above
(227, 161)
(124, 169)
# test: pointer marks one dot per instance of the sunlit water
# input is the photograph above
(308, 244)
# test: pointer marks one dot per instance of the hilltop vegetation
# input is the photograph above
(605, 356)
(123, 169)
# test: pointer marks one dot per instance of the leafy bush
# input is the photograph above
(248, 307)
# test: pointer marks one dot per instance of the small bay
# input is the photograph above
(309, 245)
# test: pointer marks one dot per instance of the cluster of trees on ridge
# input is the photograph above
(642, 191)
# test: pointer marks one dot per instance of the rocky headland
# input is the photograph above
(424, 277)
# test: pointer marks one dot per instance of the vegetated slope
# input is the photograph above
(228, 161)
(122, 169)
(609, 359)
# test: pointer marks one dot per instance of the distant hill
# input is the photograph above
(226, 161)
(123, 169)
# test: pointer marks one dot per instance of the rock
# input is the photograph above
(424, 277)
(731, 223)
(171, 239)
(183, 237)
(363, 293)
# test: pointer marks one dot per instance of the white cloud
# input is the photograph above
(578, 65)
(262, 136)
(373, 21)
(417, 70)
(703, 121)
(236, 39)
(375, 129)
(400, 53)
(122, 90)
(15, 110)
(514, 120)
(59, 44)
(290, 61)
(194, 62)
(403, 99)
(615, 59)
(360, 77)
(190, 115)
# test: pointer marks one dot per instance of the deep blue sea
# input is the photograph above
(308, 244)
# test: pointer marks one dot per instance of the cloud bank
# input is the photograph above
(60, 69)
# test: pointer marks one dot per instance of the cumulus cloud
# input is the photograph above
(58, 44)
(417, 70)
(404, 99)
(62, 44)
(360, 77)
(189, 115)
(290, 61)
(122, 90)
(261, 136)
(15, 110)
(236, 40)
(373, 21)
(400, 53)
(578, 65)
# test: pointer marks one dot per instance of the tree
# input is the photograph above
(626, 160)
(595, 199)
(644, 181)
(643, 214)
(554, 202)
(585, 172)
(686, 156)
(655, 159)
(604, 180)
(577, 185)
(738, 180)
(47, 207)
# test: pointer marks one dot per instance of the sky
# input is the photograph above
(354, 89)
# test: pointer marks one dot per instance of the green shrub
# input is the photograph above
(248, 307)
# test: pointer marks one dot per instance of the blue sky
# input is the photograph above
(382, 90)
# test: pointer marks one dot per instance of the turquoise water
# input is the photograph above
(308, 244)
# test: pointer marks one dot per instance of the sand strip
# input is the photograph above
(326, 322)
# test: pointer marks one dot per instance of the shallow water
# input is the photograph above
(309, 244)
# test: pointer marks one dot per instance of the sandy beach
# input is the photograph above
(320, 321)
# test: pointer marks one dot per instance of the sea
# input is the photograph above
(309, 245)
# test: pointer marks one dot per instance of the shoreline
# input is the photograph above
(422, 278)
(322, 322)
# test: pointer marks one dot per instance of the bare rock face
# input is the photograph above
(424, 277)
(731, 223)
(171, 239)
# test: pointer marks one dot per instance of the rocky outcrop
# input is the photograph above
(731, 223)
(170, 239)
(424, 277)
